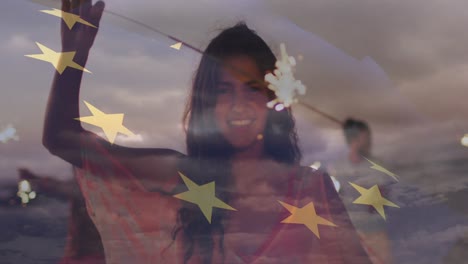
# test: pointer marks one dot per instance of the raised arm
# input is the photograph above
(63, 135)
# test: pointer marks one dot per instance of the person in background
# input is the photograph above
(83, 244)
(354, 168)
(358, 137)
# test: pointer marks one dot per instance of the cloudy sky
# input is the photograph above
(400, 65)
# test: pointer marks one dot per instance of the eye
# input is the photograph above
(255, 89)
(221, 90)
(257, 93)
(224, 89)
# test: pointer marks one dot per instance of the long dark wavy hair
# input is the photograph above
(208, 152)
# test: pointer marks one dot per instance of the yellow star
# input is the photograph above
(372, 197)
(376, 166)
(177, 46)
(69, 18)
(203, 196)
(111, 124)
(306, 216)
(60, 60)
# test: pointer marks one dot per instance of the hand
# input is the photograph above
(81, 37)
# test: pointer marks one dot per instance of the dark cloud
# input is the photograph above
(421, 45)
(410, 38)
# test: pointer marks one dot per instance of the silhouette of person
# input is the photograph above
(355, 168)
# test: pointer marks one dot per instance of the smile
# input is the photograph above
(243, 122)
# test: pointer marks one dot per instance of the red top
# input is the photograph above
(136, 225)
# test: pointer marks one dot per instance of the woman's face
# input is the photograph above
(240, 110)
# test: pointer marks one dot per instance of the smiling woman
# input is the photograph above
(240, 110)
(241, 156)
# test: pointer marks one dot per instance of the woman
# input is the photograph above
(233, 139)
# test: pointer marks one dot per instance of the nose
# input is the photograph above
(240, 101)
(238, 106)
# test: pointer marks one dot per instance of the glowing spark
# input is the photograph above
(376, 166)
(25, 192)
(69, 18)
(177, 46)
(32, 195)
(305, 216)
(111, 124)
(373, 198)
(24, 198)
(464, 140)
(279, 107)
(203, 196)
(8, 133)
(60, 60)
(282, 81)
(24, 186)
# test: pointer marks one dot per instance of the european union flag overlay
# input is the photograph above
(233, 132)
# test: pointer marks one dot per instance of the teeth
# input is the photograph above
(240, 122)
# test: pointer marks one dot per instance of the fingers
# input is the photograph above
(85, 2)
(66, 5)
(84, 8)
(75, 6)
(96, 12)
